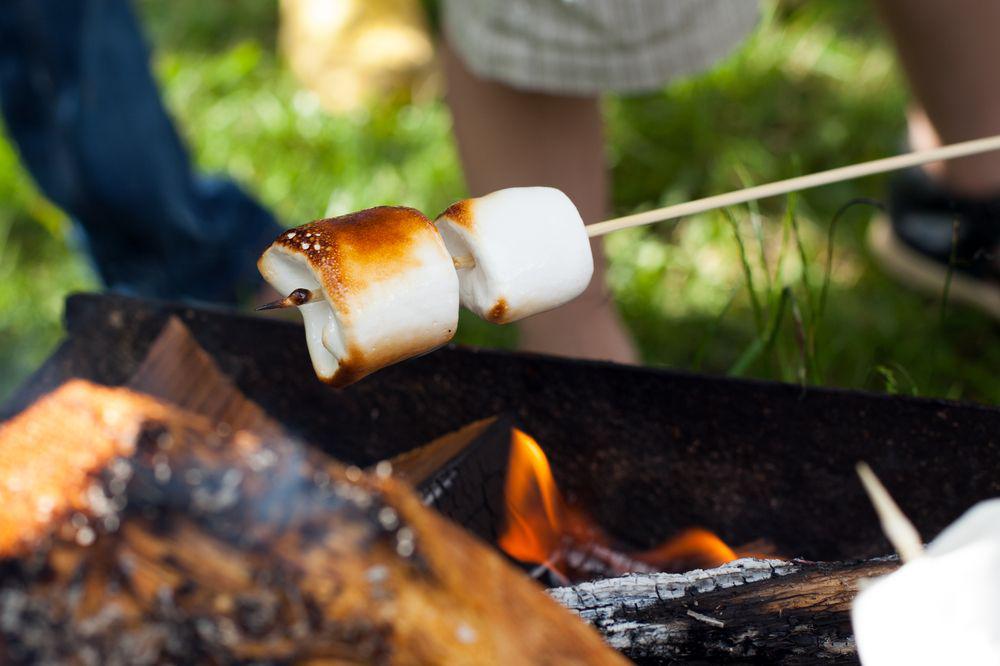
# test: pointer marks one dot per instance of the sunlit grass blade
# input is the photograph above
(762, 343)
(805, 365)
(757, 224)
(747, 271)
(786, 234)
(830, 234)
(892, 385)
(803, 259)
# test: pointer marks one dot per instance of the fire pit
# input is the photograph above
(645, 455)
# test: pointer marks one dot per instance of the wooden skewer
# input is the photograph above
(884, 165)
(897, 527)
(787, 186)
(294, 299)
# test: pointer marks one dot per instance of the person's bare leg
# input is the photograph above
(950, 52)
(510, 138)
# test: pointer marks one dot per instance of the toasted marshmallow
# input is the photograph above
(530, 248)
(943, 607)
(389, 288)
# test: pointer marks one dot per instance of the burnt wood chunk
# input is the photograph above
(420, 465)
(462, 474)
(747, 611)
(137, 532)
(179, 371)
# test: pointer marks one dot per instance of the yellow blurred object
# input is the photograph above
(348, 51)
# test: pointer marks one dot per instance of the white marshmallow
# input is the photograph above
(942, 607)
(530, 247)
(389, 285)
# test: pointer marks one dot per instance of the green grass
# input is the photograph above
(739, 292)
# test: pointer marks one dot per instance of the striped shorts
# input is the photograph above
(591, 46)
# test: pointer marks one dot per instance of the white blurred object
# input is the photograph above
(389, 289)
(530, 248)
(942, 607)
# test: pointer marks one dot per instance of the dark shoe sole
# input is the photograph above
(914, 269)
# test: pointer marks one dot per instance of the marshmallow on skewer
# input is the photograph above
(388, 288)
(943, 606)
(530, 249)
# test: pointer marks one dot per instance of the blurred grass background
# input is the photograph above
(814, 87)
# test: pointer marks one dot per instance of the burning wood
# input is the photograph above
(545, 530)
(134, 531)
(168, 574)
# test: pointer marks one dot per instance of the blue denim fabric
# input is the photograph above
(81, 105)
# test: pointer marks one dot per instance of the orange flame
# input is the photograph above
(692, 545)
(534, 506)
(542, 528)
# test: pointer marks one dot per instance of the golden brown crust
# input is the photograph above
(354, 366)
(498, 313)
(461, 213)
(351, 252)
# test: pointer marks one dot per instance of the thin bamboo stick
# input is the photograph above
(798, 183)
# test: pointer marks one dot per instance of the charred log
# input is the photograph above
(137, 532)
(747, 611)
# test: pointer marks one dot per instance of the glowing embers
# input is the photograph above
(541, 528)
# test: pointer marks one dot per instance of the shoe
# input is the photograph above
(917, 242)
